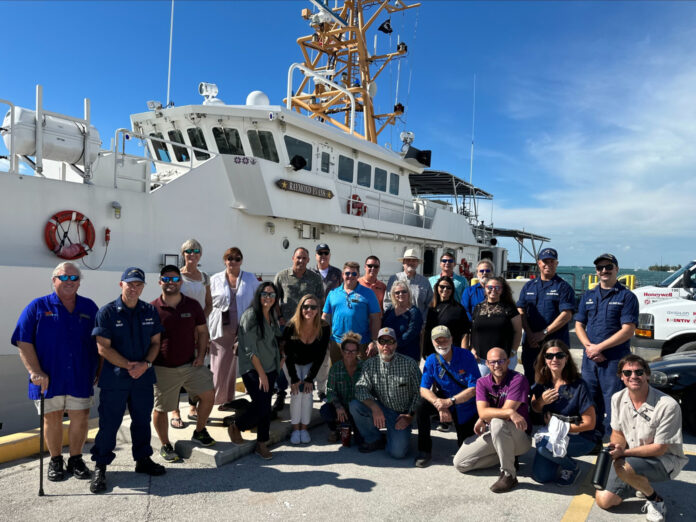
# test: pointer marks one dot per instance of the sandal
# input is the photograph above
(177, 423)
(192, 417)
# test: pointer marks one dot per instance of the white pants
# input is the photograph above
(301, 404)
(323, 373)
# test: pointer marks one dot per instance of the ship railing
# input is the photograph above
(121, 136)
(12, 158)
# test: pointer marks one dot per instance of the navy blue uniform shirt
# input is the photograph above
(130, 331)
(573, 400)
(603, 316)
(543, 301)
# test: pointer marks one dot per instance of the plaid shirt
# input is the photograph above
(340, 388)
(396, 384)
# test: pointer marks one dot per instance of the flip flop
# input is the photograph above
(192, 417)
(177, 423)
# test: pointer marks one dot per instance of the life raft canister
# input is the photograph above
(58, 240)
(464, 269)
(355, 206)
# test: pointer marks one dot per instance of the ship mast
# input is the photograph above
(342, 57)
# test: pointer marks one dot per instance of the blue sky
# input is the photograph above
(585, 111)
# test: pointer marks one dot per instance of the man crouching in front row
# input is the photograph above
(502, 431)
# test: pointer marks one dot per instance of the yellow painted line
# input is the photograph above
(579, 508)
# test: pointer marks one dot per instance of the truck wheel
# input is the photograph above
(687, 347)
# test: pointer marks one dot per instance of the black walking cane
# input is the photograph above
(41, 447)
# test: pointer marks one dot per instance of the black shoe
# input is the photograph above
(149, 467)
(517, 463)
(167, 453)
(443, 427)
(322, 396)
(78, 468)
(98, 484)
(279, 403)
(203, 438)
(55, 469)
(369, 447)
(423, 460)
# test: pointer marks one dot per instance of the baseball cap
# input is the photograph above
(548, 253)
(440, 331)
(323, 246)
(386, 332)
(608, 257)
(133, 274)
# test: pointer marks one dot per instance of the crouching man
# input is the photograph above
(647, 440)
(503, 428)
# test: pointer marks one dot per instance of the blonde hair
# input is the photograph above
(297, 320)
(403, 284)
(351, 337)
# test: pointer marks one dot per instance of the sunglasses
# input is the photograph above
(445, 287)
(192, 251)
(372, 266)
(558, 355)
(309, 307)
(628, 373)
(388, 341)
(498, 362)
(492, 288)
(352, 352)
(401, 292)
(350, 274)
(602, 268)
(323, 253)
(485, 271)
(270, 295)
(68, 277)
(447, 261)
(170, 279)
(234, 258)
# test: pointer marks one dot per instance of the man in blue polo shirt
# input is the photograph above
(606, 319)
(447, 262)
(352, 308)
(128, 338)
(54, 337)
(546, 305)
(474, 294)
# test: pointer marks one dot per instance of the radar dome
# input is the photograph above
(257, 98)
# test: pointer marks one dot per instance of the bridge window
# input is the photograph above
(160, 148)
(180, 153)
(299, 148)
(394, 184)
(263, 145)
(197, 140)
(228, 141)
(325, 161)
(380, 179)
(345, 169)
(364, 174)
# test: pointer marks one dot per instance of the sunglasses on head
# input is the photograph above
(234, 258)
(170, 279)
(192, 251)
(69, 277)
(558, 355)
(447, 261)
(608, 267)
(485, 271)
(268, 294)
(350, 274)
(309, 307)
(372, 266)
(628, 373)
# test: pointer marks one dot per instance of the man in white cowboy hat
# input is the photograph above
(421, 290)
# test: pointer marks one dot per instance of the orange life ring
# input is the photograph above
(56, 234)
(464, 269)
(355, 206)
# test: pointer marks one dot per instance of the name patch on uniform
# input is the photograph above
(85, 316)
(48, 314)
(148, 321)
(615, 302)
(589, 301)
(118, 323)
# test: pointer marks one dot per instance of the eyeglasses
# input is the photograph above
(498, 362)
(492, 288)
(269, 295)
(447, 261)
(444, 287)
(628, 373)
(558, 355)
(485, 271)
(170, 279)
(601, 268)
(372, 266)
(234, 258)
(323, 253)
(401, 292)
(350, 274)
(309, 307)
(192, 251)
(68, 277)
(352, 352)
(387, 342)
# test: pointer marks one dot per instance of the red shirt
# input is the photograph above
(178, 345)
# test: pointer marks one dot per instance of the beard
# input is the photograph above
(386, 357)
(443, 351)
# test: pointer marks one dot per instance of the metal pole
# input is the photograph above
(171, 37)
(39, 129)
(41, 447)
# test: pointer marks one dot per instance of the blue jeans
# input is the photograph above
(546, 466)
(398, 441)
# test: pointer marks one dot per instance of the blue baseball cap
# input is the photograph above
(548, 253)
(133, 274)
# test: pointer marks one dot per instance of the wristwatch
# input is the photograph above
(546, 331)
(149, 364)
(453, 399)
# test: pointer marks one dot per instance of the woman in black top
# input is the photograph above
(306, 339)
(445, 310)
(496, 324)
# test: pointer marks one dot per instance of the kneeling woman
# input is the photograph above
(259, 364)
(560, 390)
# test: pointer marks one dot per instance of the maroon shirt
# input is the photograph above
(178, 342)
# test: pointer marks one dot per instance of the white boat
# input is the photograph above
(264, 177)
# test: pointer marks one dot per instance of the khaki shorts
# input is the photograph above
(64, 403)
(196, 380)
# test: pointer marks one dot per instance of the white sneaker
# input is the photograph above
(295, 438)
(304, 437)
(656, 511)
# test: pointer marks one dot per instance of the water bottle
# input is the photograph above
(602, 468)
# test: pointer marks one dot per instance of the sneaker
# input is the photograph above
(568, 477)
(423, 460)
(654, 511)
(504, 483)
(443, 427)
(263, 452)
(332, 437)
(78, 468)
(295, 438)
(304, 437)
(98, 484)
(203, 438)
(149, 467)
(640, 495)
(55, 469)
(279, 403)
(168, 453)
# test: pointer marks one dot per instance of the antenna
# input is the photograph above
(171, 35)
(473, 121)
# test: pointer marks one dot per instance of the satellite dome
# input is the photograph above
(257, 98)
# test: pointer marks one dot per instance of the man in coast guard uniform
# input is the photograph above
(606, 319)
(546, 305)
(128, 338)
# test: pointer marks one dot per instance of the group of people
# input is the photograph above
(361, 344)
